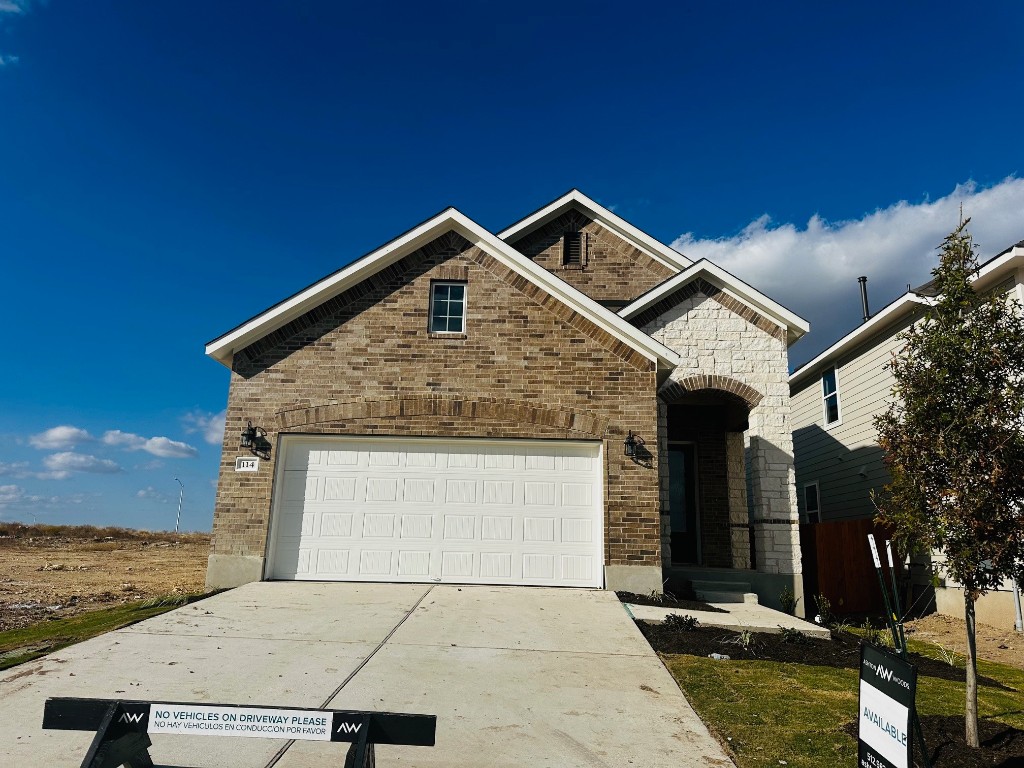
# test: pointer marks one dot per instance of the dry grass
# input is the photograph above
(95, 533)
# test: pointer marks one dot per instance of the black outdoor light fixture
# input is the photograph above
(631, 444)
(251, 435)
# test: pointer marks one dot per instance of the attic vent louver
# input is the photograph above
(572, 249)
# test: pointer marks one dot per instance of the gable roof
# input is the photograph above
(988, 276)
(795, 325)
(657, 250)
(222, 348)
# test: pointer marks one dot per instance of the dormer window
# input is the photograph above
(572, 249)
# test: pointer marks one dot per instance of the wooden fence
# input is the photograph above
(837, 564)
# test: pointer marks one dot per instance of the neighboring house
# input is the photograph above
(458, 406)
(835, 398)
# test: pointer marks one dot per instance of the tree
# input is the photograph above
(954, 438)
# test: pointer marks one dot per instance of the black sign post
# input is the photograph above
(123, 727)
(888, 687)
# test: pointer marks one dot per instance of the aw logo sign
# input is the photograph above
(888, 686)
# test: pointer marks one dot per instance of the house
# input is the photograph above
(567, 402)
(835, 398)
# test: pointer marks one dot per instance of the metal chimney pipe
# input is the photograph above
(864, 298)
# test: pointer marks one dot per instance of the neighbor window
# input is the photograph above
(448, 308)
(812, 505)
(572, 249)
(830, 395)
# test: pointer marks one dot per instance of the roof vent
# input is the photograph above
(864, 297)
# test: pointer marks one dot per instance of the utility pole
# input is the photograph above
(181, 493)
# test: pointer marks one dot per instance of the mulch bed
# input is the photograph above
(842, 651)
(667, 601)
(1001, 745)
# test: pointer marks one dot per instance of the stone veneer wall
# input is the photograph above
(363, 363)
(744, 354)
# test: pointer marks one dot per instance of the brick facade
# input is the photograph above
(363, 363)
(613, 269)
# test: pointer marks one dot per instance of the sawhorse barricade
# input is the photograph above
(123, 727)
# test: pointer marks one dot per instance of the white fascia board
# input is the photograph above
(894, 311)
(602, 317)
(657, 250)
(795, 325)
(995, 268)
(223, 348)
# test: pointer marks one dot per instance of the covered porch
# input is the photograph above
(729, 530)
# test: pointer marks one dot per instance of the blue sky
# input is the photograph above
(169, 170)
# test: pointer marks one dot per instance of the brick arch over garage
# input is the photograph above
(673, 391)
(484, 410)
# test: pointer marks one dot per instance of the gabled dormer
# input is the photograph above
(599, 253)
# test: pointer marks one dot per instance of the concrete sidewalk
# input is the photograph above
(516, 676)
(738, 616)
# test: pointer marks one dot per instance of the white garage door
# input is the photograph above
(452, 511)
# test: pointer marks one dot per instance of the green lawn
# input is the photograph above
(769, 711)
(20, 645)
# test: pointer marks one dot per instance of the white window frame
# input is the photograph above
(817, 496)
(824, 399)
(465, 305)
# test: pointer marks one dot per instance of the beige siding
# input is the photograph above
(844, 457)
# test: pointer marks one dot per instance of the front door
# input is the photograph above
(682, 480)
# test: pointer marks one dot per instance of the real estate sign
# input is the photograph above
(888, 686)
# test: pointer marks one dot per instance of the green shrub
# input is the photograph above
(680, 622)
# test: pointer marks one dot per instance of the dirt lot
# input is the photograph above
(1004, 646)
(58, 573)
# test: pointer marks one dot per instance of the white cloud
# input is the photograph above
(80, 462)
(163, 447)
(814, 270)
(14, 6)
(10, 494)
(209, 425)
(10, 9)
(58, 438)
(15, 495)
(19, 471)
(150, 492)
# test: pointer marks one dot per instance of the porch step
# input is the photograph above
(724, 591)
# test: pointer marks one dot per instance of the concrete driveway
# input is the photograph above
(517, 676)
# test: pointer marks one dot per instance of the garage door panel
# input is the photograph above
(414, 563)
(495, 565)
(538, 529)
(417, 526)
(496, 528)
(401, 509)
(459, 527)
(336, 524)
(332, 562)
(539, 494)
(377, 525)
(577, 530)
(457, 565)
(376, 562)
(577, 567)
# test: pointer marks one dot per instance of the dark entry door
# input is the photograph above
(682, 486)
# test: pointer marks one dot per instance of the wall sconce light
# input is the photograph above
(630, 444)
(251, 436)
